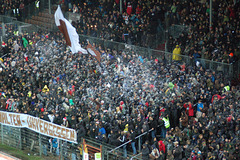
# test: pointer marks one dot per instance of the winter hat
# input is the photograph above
(229, 119)
(102, 102)
(151, 86)
(231, 54)
(147, 104)
(71, 102)
(126, 128)
(45, 89)
(29, 93)
(3, 44)
(121, 103)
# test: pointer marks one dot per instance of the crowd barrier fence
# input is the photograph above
(29, 10)
(37, 144)
(218, 67)
(49, 147)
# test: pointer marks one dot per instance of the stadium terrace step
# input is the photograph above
(43, 19)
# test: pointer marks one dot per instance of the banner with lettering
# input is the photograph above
(38, 125)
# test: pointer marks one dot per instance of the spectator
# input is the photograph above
(199, 109)
(125, 93)
(176, 53)
(155, 153)
(145, 152)
(133, 136)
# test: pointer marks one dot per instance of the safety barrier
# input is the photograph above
(37, 144)
(218, 67)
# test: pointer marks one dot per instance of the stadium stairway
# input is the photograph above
(161, 47)
(43, 19)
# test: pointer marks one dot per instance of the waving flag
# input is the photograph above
(95, 53)
(68, 31)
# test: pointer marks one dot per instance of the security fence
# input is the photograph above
(218, 67)
(28, 10)
(176, 30)
(8, 25)
(45, 139)
(39, 145)
(46, 147)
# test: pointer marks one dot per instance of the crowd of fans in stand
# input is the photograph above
(137, 24)
(216, 43)
(191, 113)
(129, 94)
(13, 7)
(141, 20)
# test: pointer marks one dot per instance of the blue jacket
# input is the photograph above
(102, 131)
(200, 105)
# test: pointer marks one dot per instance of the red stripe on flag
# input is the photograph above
(98, 55)
(63, 29)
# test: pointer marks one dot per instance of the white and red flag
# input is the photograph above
(95, 53)
(69, 32)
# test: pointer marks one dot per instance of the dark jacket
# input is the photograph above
(133, 136)
(145, 153)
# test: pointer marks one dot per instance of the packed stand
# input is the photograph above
(138, 23)
(141, 20)
(15, 7)
(220, 42)
(190, 112)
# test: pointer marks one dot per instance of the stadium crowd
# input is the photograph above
(141, 21)
(13, 7)
(191, 113)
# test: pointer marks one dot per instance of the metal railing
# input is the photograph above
(138, 138)
(218, 67)
(117, 154)
(28, 11)
(176, 30)
(10, 23)
(39, 145)
(237, 70)
(46, 147)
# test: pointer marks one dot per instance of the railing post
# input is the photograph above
(20, 138)
(101, 151)
(238, 68)
(3, 29)
(139, 144)
(210, 65)
(49, 6)
(61, 151)
(2, 132)
(40, 145)
(149, 52)
(231, 70)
